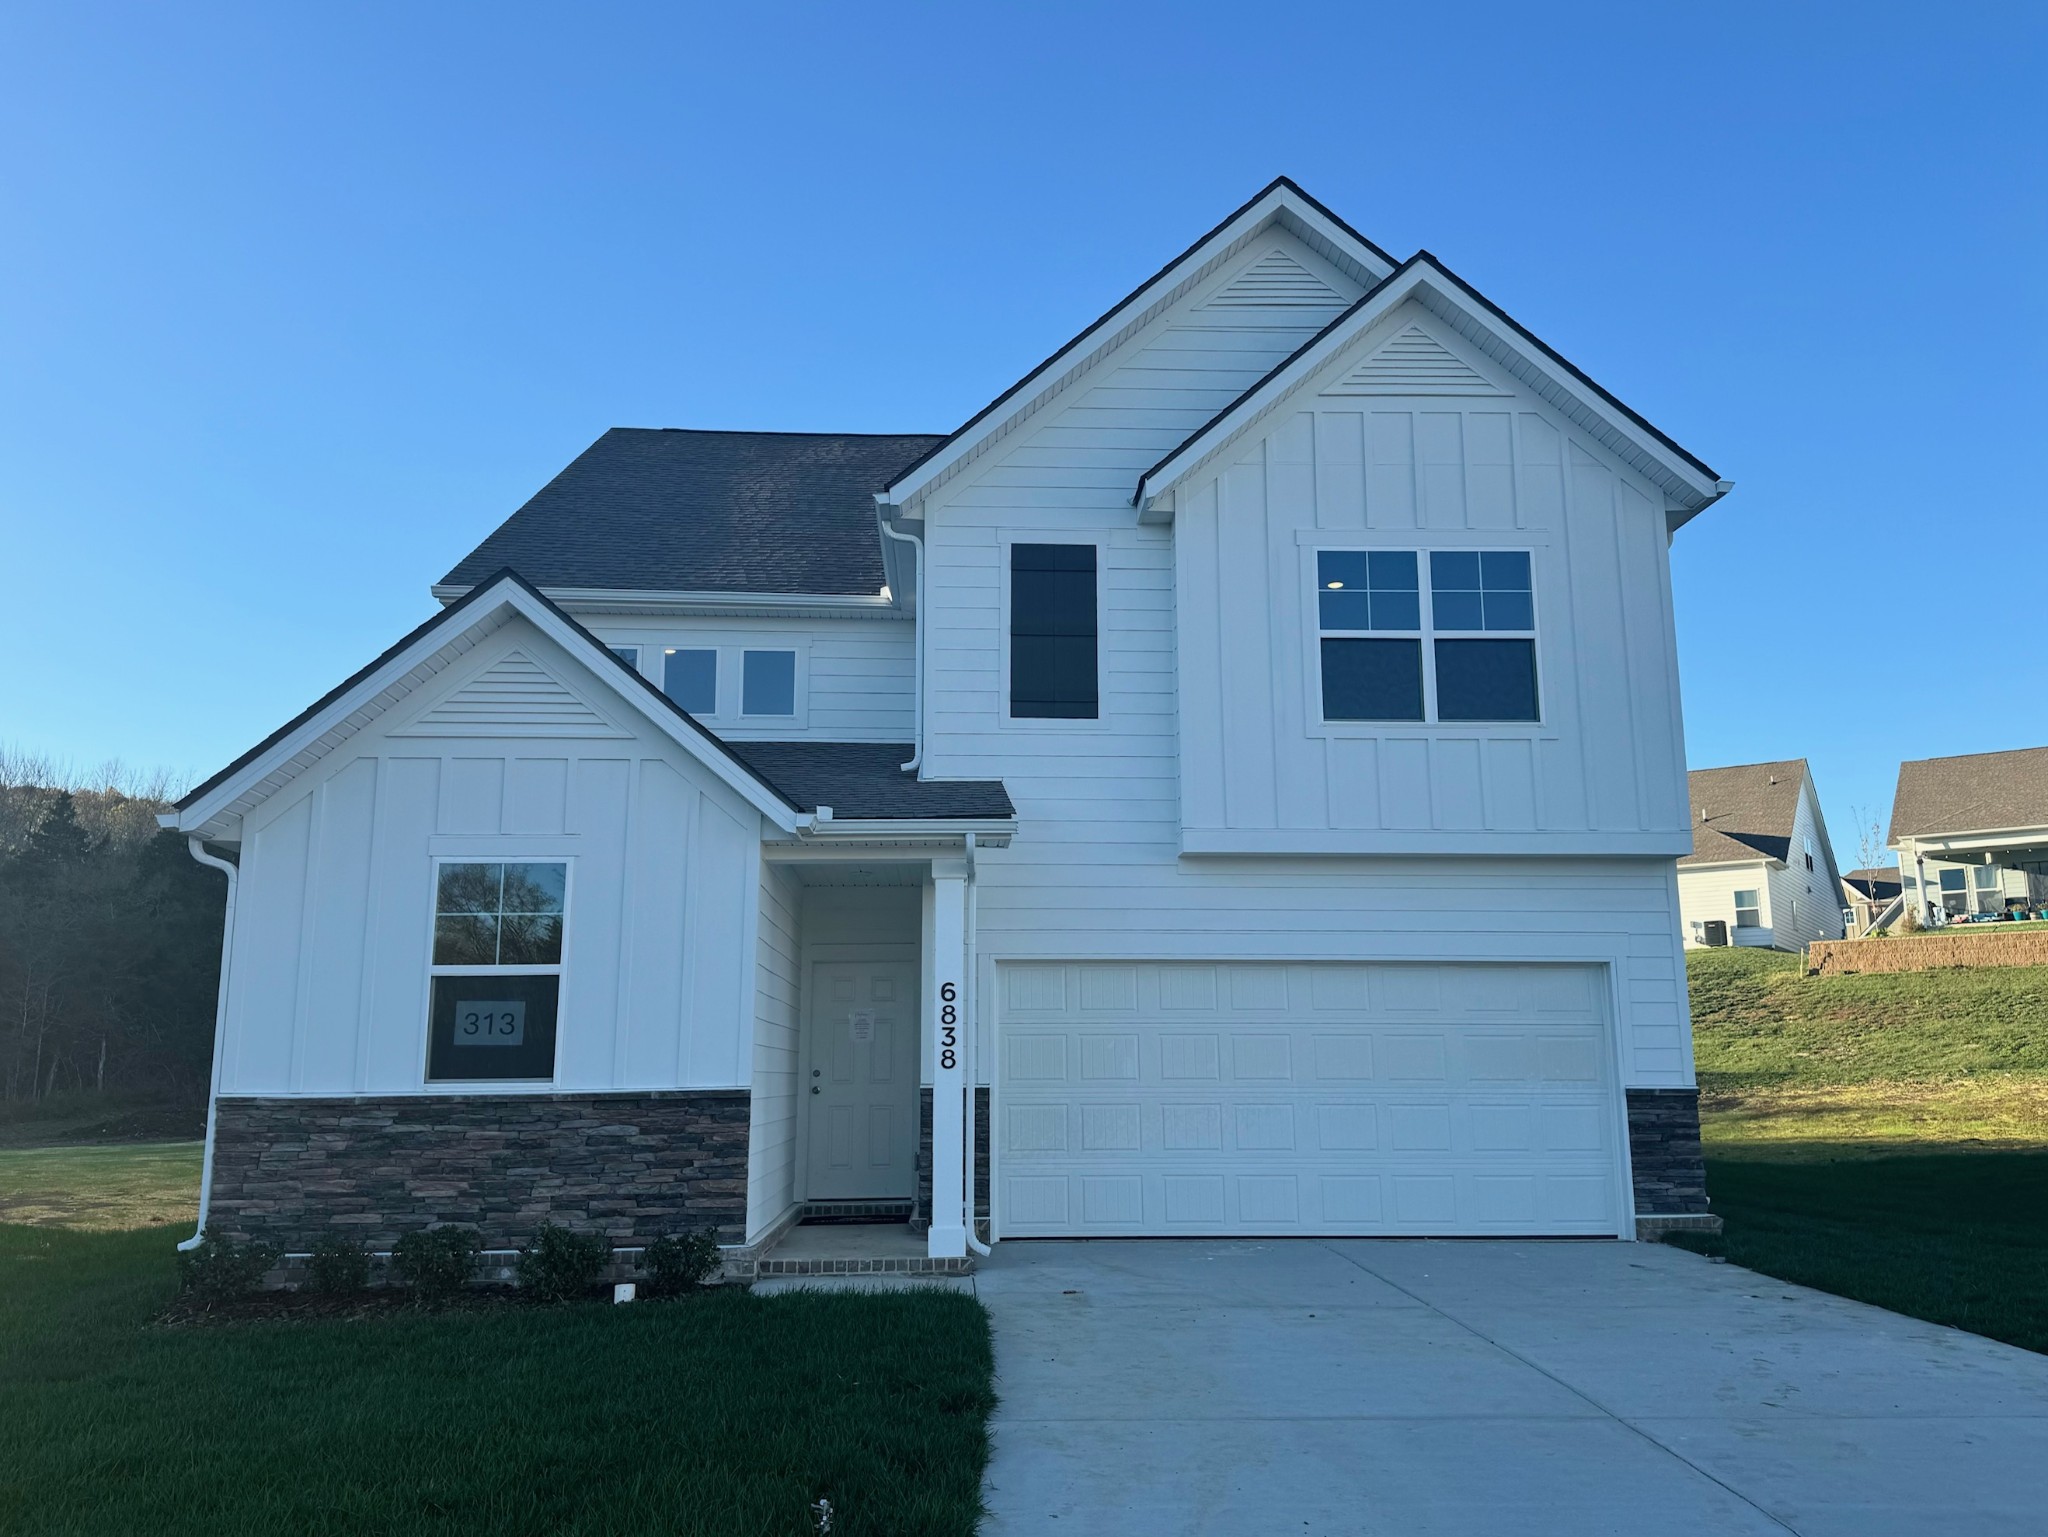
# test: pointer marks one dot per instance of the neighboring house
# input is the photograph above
(1248, 752)
(1972, 832)
(1761, 870)
(1867, 895)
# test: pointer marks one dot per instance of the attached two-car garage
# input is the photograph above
(1153, 1099)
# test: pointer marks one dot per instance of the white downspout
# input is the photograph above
(220, 1025)
(917, 646)
(971, 980)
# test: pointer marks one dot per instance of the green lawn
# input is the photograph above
(101, 1189)
(1884, 1137)
(717, 1415)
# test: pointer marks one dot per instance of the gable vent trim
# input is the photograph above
(1276, 281)
(513, 693)
(1414, 363)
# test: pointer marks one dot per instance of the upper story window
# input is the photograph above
(496, 969)
(1467, 654)
(768, 683)
(1053, 632)
(1808, 842)
(689, 676)
(630, 655)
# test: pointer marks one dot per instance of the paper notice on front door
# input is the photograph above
(860, 1024)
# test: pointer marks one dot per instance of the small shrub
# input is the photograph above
(561, 1264)
(221, 1270)
(337, 1266)
(436, 1262)
(677, 1265)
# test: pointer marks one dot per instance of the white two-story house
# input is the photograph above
(1231, 785)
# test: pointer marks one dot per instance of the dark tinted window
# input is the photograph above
(1372, 679)
(1481, 590)
(630, 655)
(493, 1027)
(690, 678)
(768, 683)
(1361, 590)
(1485, 680)
(1052, 632)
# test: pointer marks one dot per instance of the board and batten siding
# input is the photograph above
(855, 677)
(771, 1143)
(513, 751)
(1096, 870)
(1473, 465)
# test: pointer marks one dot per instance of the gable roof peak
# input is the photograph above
(1282, 201)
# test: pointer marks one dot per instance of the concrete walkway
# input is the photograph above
(1337, 1389)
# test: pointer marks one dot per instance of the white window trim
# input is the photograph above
(1004, 719)
(1411, 540)
(729, 689)
(559, 969)
(1735, 897)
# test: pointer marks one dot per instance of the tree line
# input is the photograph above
(109, 939)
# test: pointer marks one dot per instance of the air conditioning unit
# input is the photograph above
(1717, 931)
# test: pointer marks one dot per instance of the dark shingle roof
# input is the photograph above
(1977, 793)
(1877, 882)
(670, 510)
(863, 779)
(1749, 811)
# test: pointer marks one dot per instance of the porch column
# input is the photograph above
(947, 1010)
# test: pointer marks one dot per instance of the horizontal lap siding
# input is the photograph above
(861, 682)
(1706, 894)
(1095, 869)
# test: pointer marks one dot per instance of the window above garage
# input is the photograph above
(1462, 651)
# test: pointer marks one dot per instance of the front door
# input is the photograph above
(861, 1081)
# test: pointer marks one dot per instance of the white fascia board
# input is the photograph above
(766, 605)
(1722, 866)
(1422, 280)
(1987, 841)
(1280, 203)
(503, 594)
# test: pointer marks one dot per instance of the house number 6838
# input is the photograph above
(949, 1026)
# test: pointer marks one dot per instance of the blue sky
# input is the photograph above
(297, 303)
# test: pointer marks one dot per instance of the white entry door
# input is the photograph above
(1313, 1098)
(860, 1081)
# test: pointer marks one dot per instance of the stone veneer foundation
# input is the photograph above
(922, 1216)
(1670, 1169)
(634, 1167)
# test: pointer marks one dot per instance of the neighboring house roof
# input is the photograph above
(668, 509)
(1976, 793)
(861, 780)
(1880, 883)
(1688, 481)
(1744, 812)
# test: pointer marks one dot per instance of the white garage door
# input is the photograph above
(1327, 1097)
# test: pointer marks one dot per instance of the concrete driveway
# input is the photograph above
(1300, 1388)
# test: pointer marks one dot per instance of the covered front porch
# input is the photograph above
(866, 1140)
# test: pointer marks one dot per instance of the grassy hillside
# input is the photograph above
(1911, 1060)
(1882, 1137)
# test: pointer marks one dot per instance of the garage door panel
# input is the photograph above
(1318, 1100)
